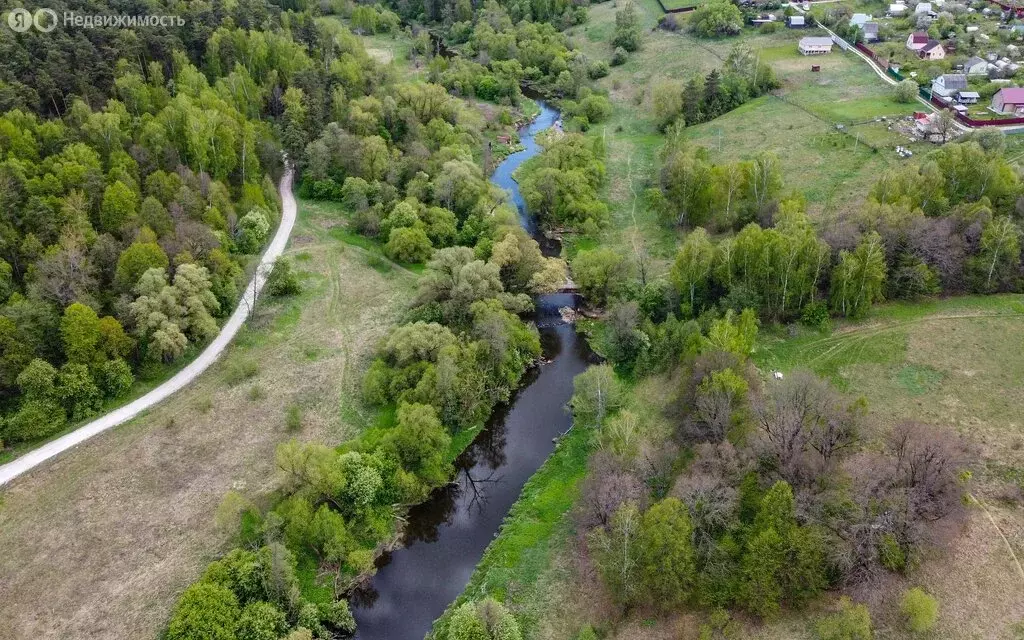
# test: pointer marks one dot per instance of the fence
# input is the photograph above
(927, 94)
(1018, 10)
(681, 10)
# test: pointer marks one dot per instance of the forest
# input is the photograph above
(136, 194)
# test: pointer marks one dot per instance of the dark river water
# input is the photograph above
(447, 534)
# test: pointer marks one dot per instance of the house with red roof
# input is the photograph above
(1008, 100)
(917, 40)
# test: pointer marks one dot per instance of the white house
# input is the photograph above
(923, 8)
(815, 45)
(897, 9)
(975, 66)
(797, 22)
(948, 84)
(870, 30)
(858, 19)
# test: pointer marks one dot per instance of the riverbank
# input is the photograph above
(445, 536)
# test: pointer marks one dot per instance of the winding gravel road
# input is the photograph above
(209, 355)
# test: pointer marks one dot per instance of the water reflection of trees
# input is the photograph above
(426, 518)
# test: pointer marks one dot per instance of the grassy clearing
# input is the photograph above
(832, 169)
(100, 542)
(958, 363)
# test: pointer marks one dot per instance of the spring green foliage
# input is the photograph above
(627, 28)
(484, 620)
(920, 610)
(597, 393)
(560, 184)
(150, 163)
(859, 278)
(600, 273)
(851, 622)
(716, 18)
(667, 567)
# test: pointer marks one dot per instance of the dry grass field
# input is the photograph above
(99, 543)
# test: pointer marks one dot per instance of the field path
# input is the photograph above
(209, 355)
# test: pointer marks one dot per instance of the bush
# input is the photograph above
(408, 245)
(891, 554)
(36, 419)
(619, 57)
(261, 621)
(905, 91)
(920, 610)
(597, 70)
(206, 611)
(282, 280)
(716, 18)
(815, 314)
(338, 615)
(293, 418)
(252, 231)
(115, 378)
(851, 622)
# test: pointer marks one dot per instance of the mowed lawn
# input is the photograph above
(99, 543)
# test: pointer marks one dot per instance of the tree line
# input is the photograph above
(947, 226)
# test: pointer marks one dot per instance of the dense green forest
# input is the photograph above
(134, 194)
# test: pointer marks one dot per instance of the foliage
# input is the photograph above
(283, 281)
(560, 184)
(205, 612)
(919, 609)
(905, 91)
(851, 622)
(716, 18)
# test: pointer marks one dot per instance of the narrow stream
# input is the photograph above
(446, 535)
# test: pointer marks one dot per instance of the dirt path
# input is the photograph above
(209, 355)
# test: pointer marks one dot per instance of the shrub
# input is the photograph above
(815, 314)
(261, 621)
(619, 57)
(905, 91)
(920, 610)
(293, 418)
(252, 231)
(282, 280)
(597, 70)
(891, 554)
(206, 611)
(851, 622)
(406, 244)
(115, 378)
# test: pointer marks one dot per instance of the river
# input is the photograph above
(446, 536)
